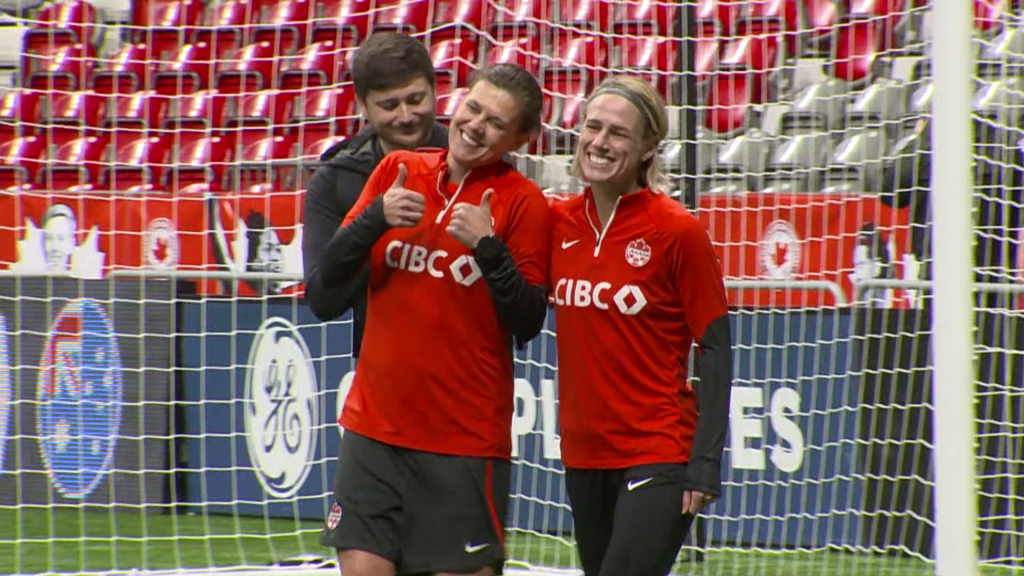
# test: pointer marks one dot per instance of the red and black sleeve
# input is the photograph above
(702, 289)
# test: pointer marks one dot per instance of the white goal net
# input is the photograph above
(168, 403)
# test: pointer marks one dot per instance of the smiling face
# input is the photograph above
(485, 127)
(403, 117)
(612, 147)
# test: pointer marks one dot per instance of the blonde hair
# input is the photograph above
(649, 102)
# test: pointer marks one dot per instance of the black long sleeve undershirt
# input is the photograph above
(520, 306)
(713, 397)
(345, 256)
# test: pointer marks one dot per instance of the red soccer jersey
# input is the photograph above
(629, 302)
(435, 369)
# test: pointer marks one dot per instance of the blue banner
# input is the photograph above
(260, 383)
(263, 382)
(791, 472)
(85, 382)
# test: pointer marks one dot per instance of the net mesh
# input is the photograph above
(187, 425)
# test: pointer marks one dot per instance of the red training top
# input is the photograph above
(629, 301)
(435, 369)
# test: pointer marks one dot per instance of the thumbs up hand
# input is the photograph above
(403, 207)
(470, 223)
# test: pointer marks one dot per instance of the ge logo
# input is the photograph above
(281, 408)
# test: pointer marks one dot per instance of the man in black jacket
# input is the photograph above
(393, 77)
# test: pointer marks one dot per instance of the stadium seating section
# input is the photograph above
(794, 96)
(191, 82)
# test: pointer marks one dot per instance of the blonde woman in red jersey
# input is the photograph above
(458, 248)
(636, 283)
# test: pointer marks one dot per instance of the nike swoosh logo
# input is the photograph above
(634, 484)
(569, 243)
(474, 548)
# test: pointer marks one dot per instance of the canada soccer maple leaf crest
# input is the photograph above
(779, 250)
(160, 248)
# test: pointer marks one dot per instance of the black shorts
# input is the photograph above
(425, 512)
(629, 521)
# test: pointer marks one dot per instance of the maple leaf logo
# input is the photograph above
(161, 244)
(160, 250)
(781, 252)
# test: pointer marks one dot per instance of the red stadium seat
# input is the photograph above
(20, 159)
(130, 69)
(287, 25)
(645, 18)
(855, 51)
(312, 149)
(268, 160)
(821, 17)
(402, 16)
(62, 68)
(757, 55)
(455, 58)
(728, 99)
(725, 12)
(519, 18)
(201, 111)
(228, 26)
(74, 163)
(653, 58)
(785, 12)
(319, 64)
(758, 46)
(523, 51)
(148, 13)
(591, 15)
(165, 25)
(70, 112)
(191, 69)
(138, 162)
(344, 22)
(12, 178)
(574, 52)
(309, 156)
(885, 15)
(136, 112)
(264, 109)
(63, 23)
(448, 103)
(707, 50)
(199, 161)
(199, 189)
(458, 19)
(19, 113)
(564, 96)
(988, 14)
(248, 69)
(324, 113)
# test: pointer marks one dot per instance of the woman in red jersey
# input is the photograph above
(457, 244)
(636, 283)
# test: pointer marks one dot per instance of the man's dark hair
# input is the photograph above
(387, 60)
(521, 84)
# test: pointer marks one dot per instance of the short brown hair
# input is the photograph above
(388, 60)
(521, 84)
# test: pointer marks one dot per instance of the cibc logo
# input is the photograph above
(577, 293)
(418, 259)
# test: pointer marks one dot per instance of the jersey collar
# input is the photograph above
(624, 202)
